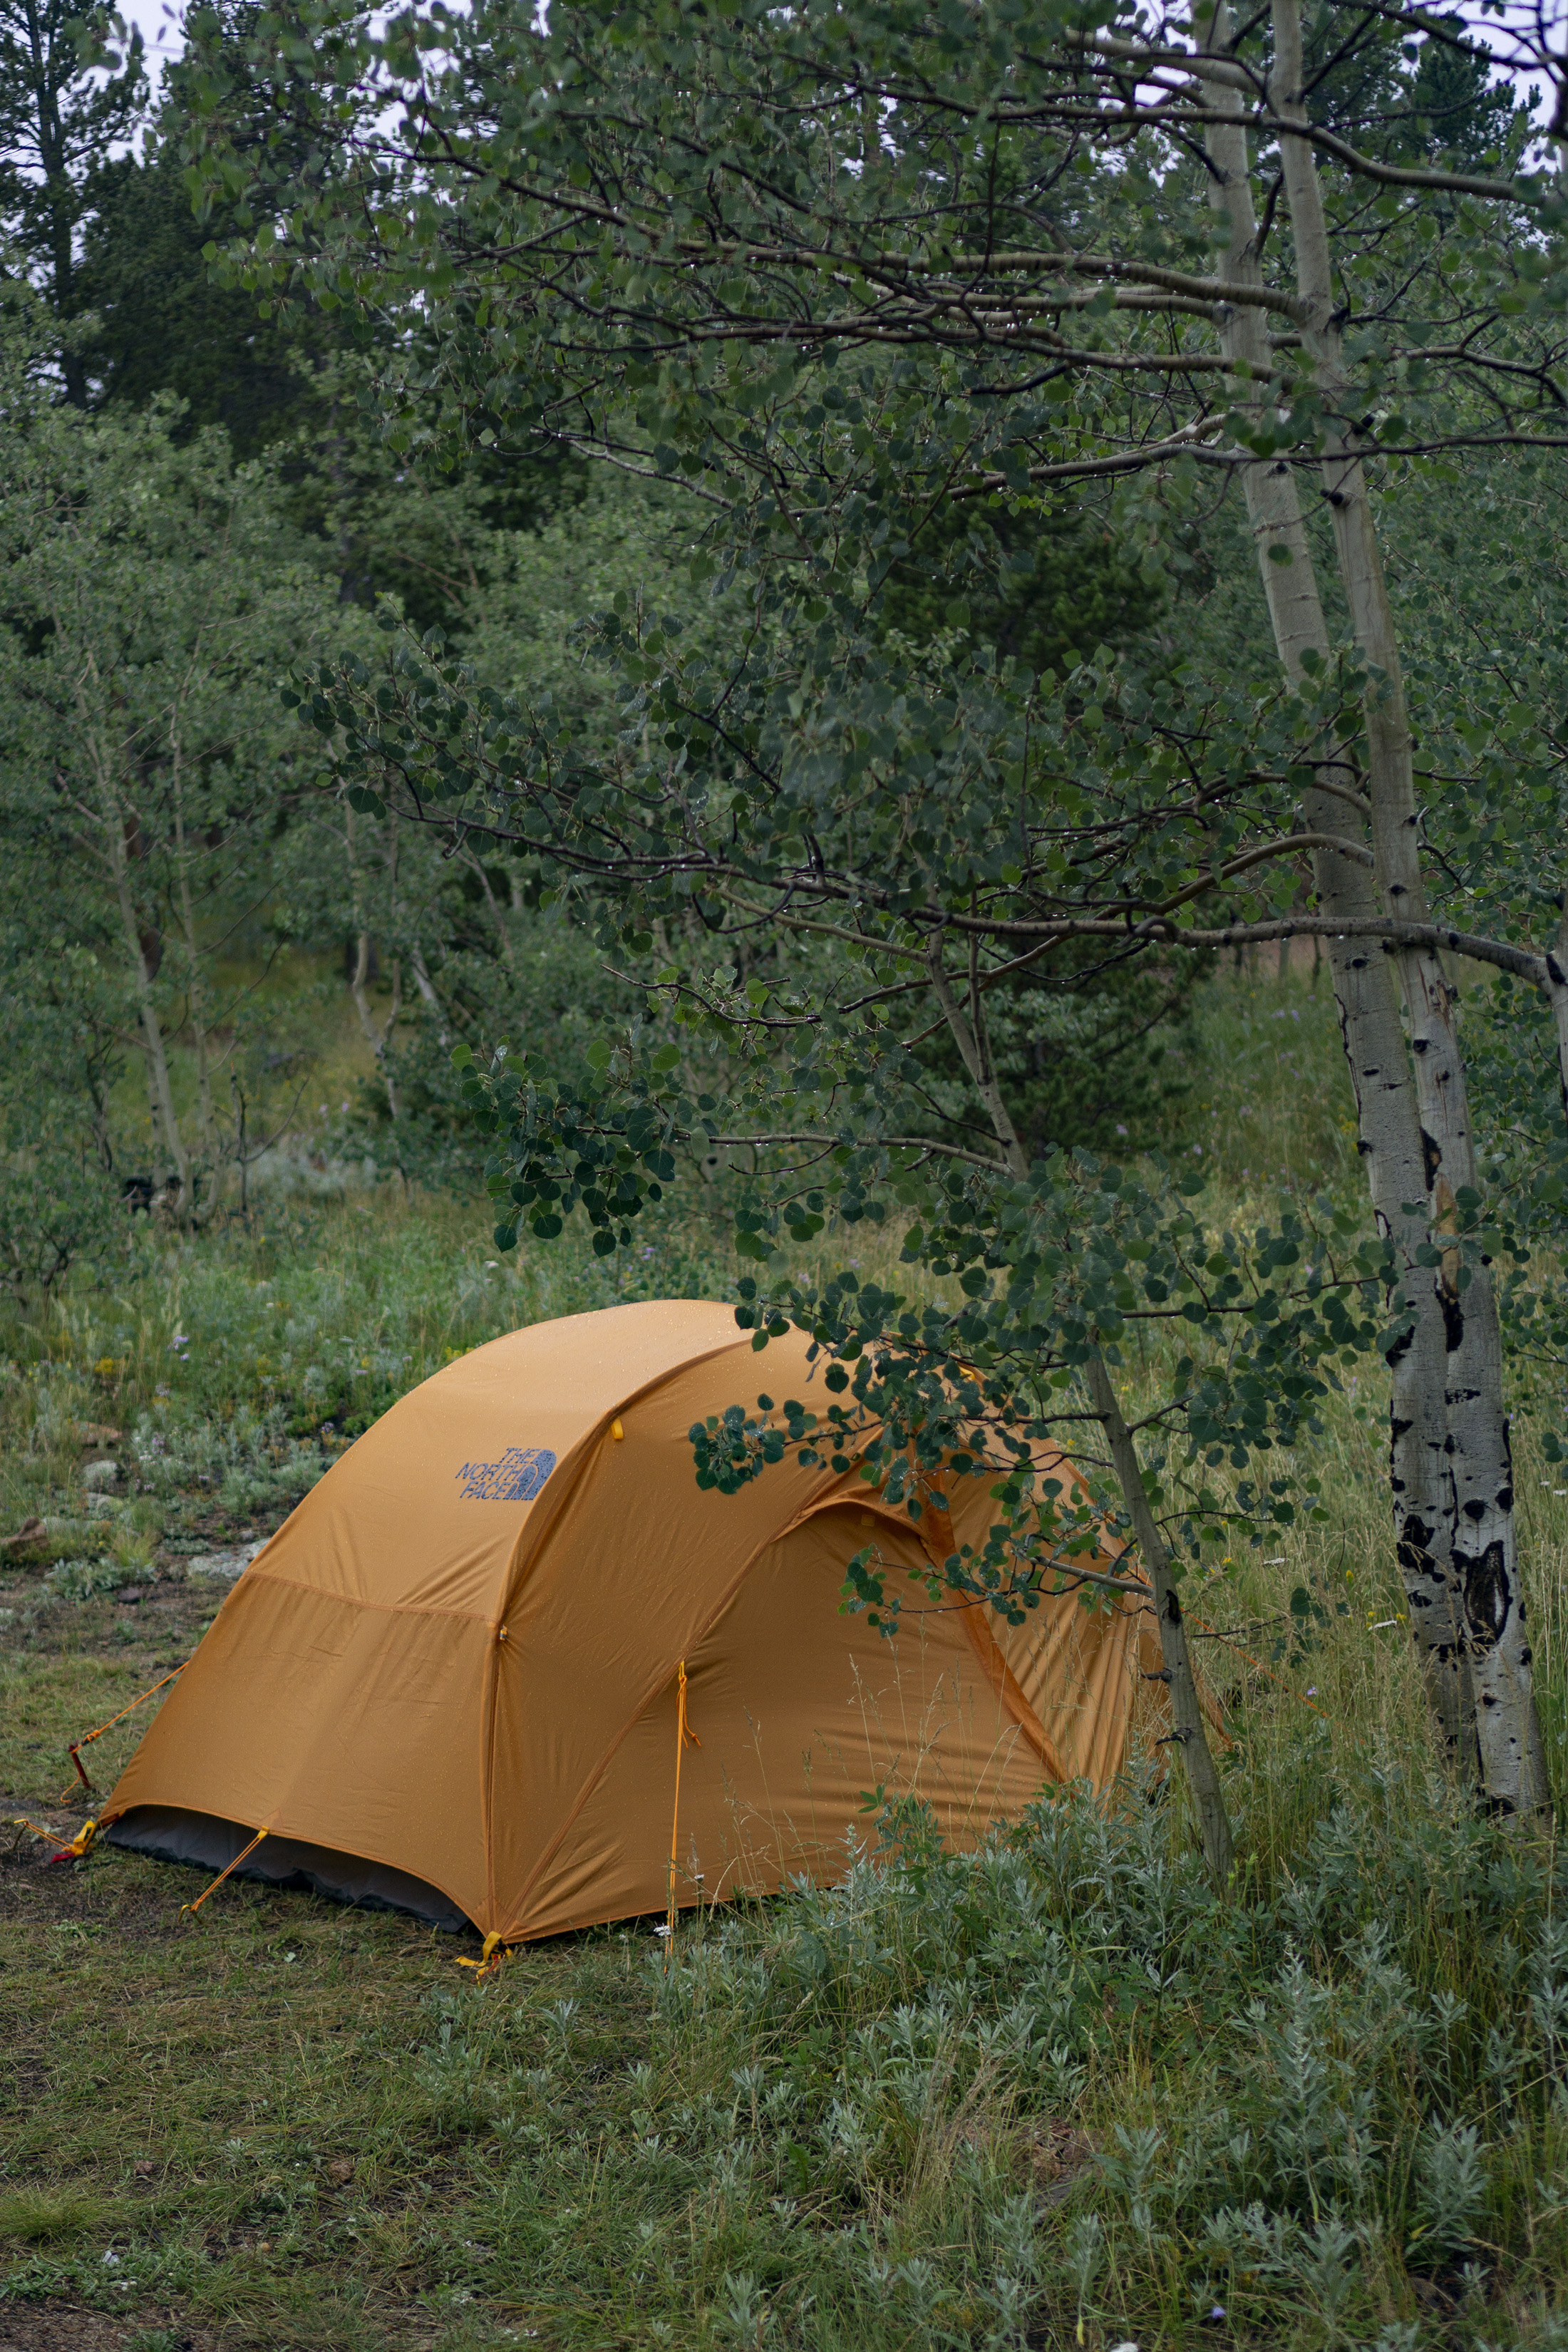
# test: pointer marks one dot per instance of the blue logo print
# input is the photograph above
(517, 1477)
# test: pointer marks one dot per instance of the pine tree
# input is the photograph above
(58, 125)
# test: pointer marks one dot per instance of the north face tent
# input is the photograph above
(451, 1682)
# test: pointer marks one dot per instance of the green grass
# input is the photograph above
(1054, 2094)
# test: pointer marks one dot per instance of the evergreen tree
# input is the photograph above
(58, 125)
(295, 386)
(1459, 113)
(164, 326)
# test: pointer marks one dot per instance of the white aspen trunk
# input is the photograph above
(1557, 990)
(195, 995)
(1481, 1528)
(1388, 1123)
(1186, 1712)
(972, 1039)
(160, 1088)
(376, 1037)
(426, 987)
(497, 917)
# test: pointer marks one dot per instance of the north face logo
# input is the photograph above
(517, 1477)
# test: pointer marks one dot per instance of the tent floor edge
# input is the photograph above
(207, 1841)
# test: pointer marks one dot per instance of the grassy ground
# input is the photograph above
(1054, 2094)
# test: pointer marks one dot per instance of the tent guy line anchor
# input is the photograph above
(189, 1910)
(489, 1959)
(89, 1736)
(83, 1842)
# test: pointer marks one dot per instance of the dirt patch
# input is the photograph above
(1059, 2153)
(95, 1893)
(66, 2328)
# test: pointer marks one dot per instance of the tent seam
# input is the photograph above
(254, 1575)
(699, 1635)
(536, 1539)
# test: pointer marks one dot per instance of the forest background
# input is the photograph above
(237, 976)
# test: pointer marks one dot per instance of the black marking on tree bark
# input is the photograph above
(1431, 1156)
(1414, 1552)
(1488, 1595)
(1453, 1319)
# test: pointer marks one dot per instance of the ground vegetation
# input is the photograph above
(954, 2102)
(905, 666)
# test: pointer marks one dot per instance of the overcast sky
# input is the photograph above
(160, 24)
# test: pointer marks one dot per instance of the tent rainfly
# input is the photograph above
(453, 1680)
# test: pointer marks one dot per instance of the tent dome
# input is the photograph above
(450, 1683)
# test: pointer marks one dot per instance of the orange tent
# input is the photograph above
(451, 1682)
